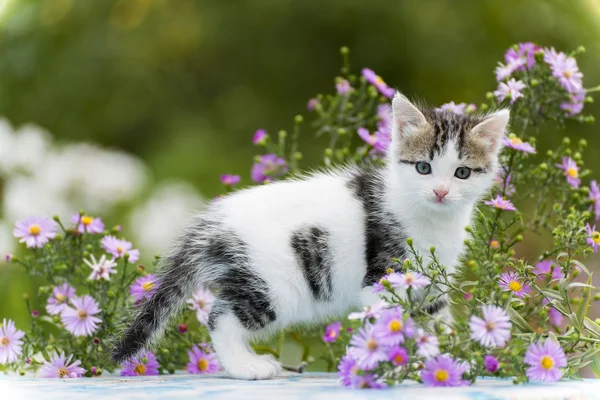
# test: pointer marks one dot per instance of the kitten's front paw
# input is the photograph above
(255, 368)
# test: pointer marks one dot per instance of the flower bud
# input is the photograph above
(110, 293)
(468, 228)
(25, 296)
(341, 131)
(471, 264)
(9, 257)
(597, 297)
(566, 141)
(519, 238)
(580, 50)
(483, 107)
(297, 155)
(432, 249)
(409, 241)
(298, 119)
(543, 166)
(183, 328)
(344, 50)
(140, 269)
(96, 341)
(328, 152)
(282, 134)
(549, 153)
(534, 82)
(35, 313)
(489, 95)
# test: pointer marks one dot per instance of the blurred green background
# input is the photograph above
(183, 84)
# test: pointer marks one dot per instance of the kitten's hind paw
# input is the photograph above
(255, 368)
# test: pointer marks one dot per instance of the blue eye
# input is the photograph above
(462, 172)
(423, 168)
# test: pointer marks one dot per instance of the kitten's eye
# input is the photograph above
(423, 168)
(462, 172)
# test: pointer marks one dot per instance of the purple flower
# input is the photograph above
(367, 348)
(398, 356)
(595, 198)
(511, 90)
(571, 171)
(343, 87)
(510, 282)
(459, 108)
(347, 370)
(202, 302)
(376, 81)
(144, 365)
(564, 69)
(369, 381)
(593, 237)
(8, 257)
(202, 361)
(79, 319)
(59, 300)
(182, 328)
(101, 269)
(119, 248)
(35, 231)
(230, 180)
(548, 267)
(517, 144)
(379, 139)
(10, 342)
(504, 181)
(260, 137)
(35, 313)
(270, 166)
(444, 371)
(555, 317)
(407, 280)
(391, 328)
(490, 363)
(332, 332)
(545, 360)
(504, 71)
(373, 311)
(501, 203)
(524, 55)
(144, 287)
(88, 224)
(427, 344)
(312, 103)
(575, 104)
(493, 330)
(60, 366)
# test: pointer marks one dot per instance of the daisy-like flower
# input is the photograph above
(202, 361)
(260, 137)
(312, 103)
(343, 87)
(509, 90)
(144, 287)
(369, 381)
(571, 171)
(510, 282)
(444, 371)
(88, 224)
(491, 363)
(554, 58)
(60, 366)
(398, 356)
(59, 300)
(379, 140)
(545, 360)
(378, 82)
(593, 237)
(548, 267)
(391, 327)
(427, 344)
(332, 332)
(347, 370)
(373, 311)
(10, 342)
(595, 198)
(568, 74)
(500, 203)
(144, 365)
(409, 279)
(493, 330)
(80, 319)
(119, 248)
(575, 104)
(201, 302)
(555, 317)
(524, 54)
(504, 71)
(503, 181)
(459, 108)
(267, 168)
(494, 244)
(101, 269)
(517, 144)
(35, 231)
(230, 180)
(367, 349)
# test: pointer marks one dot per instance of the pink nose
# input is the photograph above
(440, 193)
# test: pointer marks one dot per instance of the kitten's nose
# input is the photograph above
(440, 193)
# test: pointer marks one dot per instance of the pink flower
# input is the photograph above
(230, 180)
(144, 365)
(379, 140)
(427, 344)
(312, 103)
(202, 361)
(490, 363)
(548, 267)
(493, 330)
(398, 356)
(59, 300)
(564, 69)
(593, 237)
(545, 360)
(444, 371)
(332, 332)
(120, 248)
(501, 204)
(202, 302)
(510, 282)
(35, 231)
(408, 279)
(10, 342)
(571, 171)
(88, 224)
(80, 319)
(555, 317)
(517, 144)
(367, 349)
(459, 108)
(378, 82)
(144, 287)
(595, 198)
(391, 327)
(343, 87)
(511, 90)
(60, 366)
(101, 269)
(260, 137)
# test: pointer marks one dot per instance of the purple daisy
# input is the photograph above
(230, 180)
(545, 360)
(427, 344)
(347, 370)
(571, 171)
(505, 185)
(260, 137)
(517, 144)
(595, 198)
(491, 363)
(343, 87)
(510, 282)
(269, 166)
(523, 55)
(369, 381)
(367, 348)
(202, 361)
(443, 370)
(501, 204)
(332, 332)
(548, 267)
(391, 327)
(119, 248)
(378, 82)
(201, 302)
(61, 295)
(373, 311)
(101, 269)
(593, 237)
(504, 71)
(511, 90)
(35, 231)
(459, 108)
(493, 330)
(144, 287)
(398, 356)
(555, 317)
(575, 104)
(567, 72)
(407, 280)
(379, 139)
(80, 319)
(88, 224)
(312, 103)
(10, 342)
(61, 366)
(144, 365)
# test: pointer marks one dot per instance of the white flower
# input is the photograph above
(202, 302)
(101, 269)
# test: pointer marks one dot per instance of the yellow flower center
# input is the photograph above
(567, 74)
(120, 250)
(82, 314)
(395, 325)
(515, 286)
(515, 141)
(203, 365)
(441, 375)
(379, 80)
(572, 172)
(494, 244)
(4, 341)
(201, 303)
(333, 334)
(61, 298)
(86, 220)
(596, 237)
(140, 369)
(399, 359)
(409, 278)
(372, 345)
(35, 229)
(490, 326)
(547, 362)
(62, 372)
(147, 286)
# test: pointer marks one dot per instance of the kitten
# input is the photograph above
(306, 249)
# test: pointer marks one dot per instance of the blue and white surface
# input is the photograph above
(293, 386)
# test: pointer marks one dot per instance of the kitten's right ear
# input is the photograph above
(406, 114)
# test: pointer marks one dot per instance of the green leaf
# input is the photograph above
(551, 293)
(579, 284)
(580, 265)
(592, 326)
(518, 320)
(468, 283)
(595, 365)
(586, 297)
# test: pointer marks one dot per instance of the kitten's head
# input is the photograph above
(441, 159)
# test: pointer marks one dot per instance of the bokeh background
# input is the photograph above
(131, 109)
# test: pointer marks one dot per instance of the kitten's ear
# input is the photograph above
(405, 114)
(492, 129)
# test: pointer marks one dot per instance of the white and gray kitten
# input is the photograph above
(306, 249)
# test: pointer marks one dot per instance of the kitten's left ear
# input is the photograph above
(492, 129)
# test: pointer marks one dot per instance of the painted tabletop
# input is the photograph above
(293, 386)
